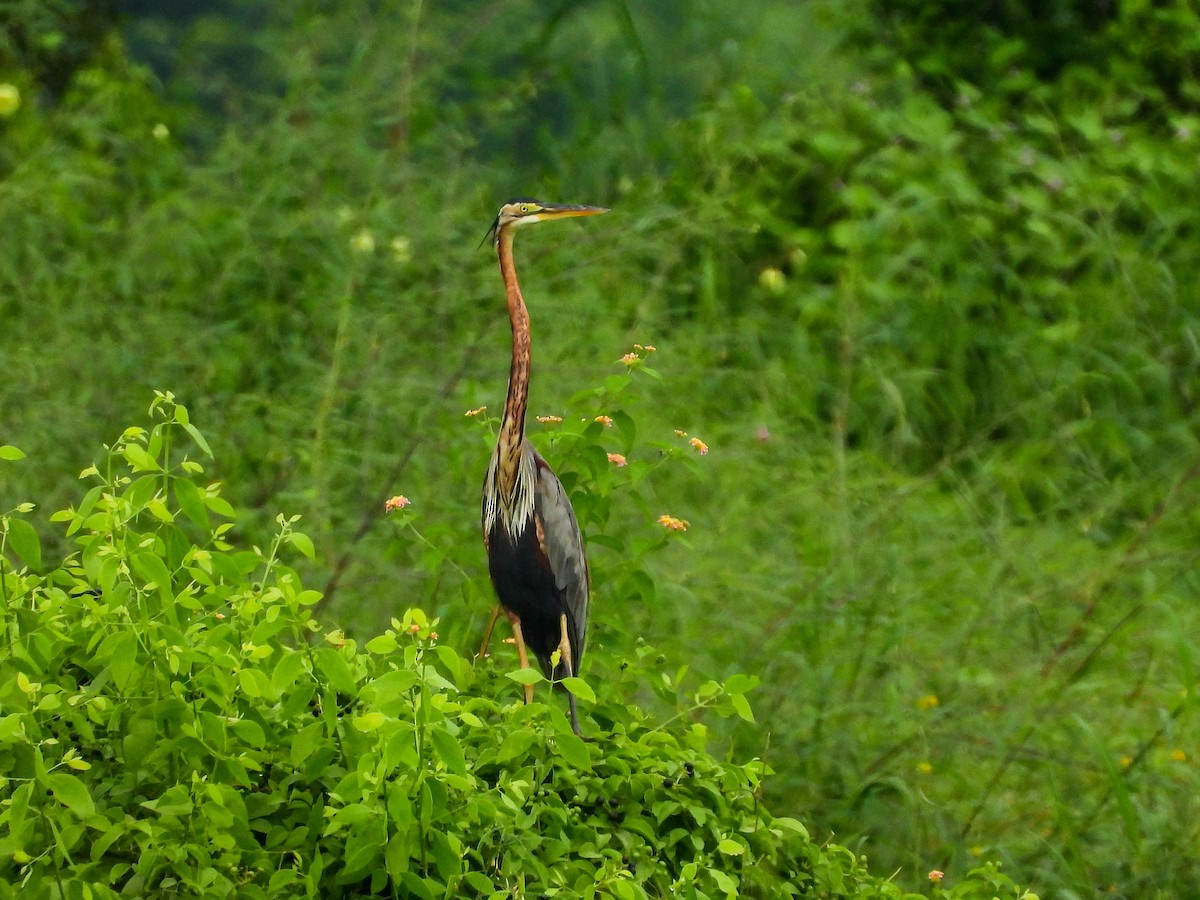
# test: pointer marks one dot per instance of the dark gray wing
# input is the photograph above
(558, 534)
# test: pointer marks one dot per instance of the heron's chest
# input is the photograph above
(509, 492)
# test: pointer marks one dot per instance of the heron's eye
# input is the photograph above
(525, 208)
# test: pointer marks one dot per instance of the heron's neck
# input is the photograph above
(512, 426)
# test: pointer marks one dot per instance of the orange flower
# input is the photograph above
(699, 445)
(606, 421)
(397, 502)
(629, 359)
(936, 875)
(617, 460)
(673, 524)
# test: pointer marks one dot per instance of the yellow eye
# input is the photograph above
(525, 207)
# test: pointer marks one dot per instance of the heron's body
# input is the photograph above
(535, 551)
(540, 571)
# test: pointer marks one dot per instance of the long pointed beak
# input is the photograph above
(563, 211)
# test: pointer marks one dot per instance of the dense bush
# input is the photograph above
(176, 723)
(954, 279)
(50, 40)
(970, 329)
(1024, 51)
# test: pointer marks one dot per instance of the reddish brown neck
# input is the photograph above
(512, 426)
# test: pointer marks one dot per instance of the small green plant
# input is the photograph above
(177, 723)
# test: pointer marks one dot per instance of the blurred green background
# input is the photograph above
(923, 276)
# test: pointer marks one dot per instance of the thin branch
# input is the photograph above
(1101, 585)
(371, 510)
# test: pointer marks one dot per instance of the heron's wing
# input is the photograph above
(560, 540)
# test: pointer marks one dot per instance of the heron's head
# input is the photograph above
(525, 211)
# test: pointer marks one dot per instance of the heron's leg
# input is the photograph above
(516, 627)
(564, 646)
(487, 632)
(564, 649)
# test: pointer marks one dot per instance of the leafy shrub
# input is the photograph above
(52, 39)
(1017, 49)
(968, 519)
(177, 723)
(953, 279)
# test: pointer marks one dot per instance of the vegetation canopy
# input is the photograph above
(917, 454)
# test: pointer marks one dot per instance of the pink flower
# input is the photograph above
(397, 502)
(936, 875)
(606, 421)
(617, 460)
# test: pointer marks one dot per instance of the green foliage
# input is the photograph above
(52, 39)
(928, 296)
(978, 352)
(175, 722)
(1021, 50)
(943, 270)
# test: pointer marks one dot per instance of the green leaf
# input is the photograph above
(364, 847)
(124, 659)
(305, 742)
(742, 706)
(139, 741)
(574, 751)
(448, 751)
(287, 670)
(303, 543)
(382, 643)
(730, 847)
(580, 688)
(159, 510)
(526, 676)
(740, 684)
(12, 728)
(368, 722)
(516, 744)
(140, 459)
(71, 793)
(198, 438)
(254, 684)
(393, 684)
(153, 570)
(336, 670)
(220, 506)
(190, 497)
(9, 453)
(447, 854)
(24, 542)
